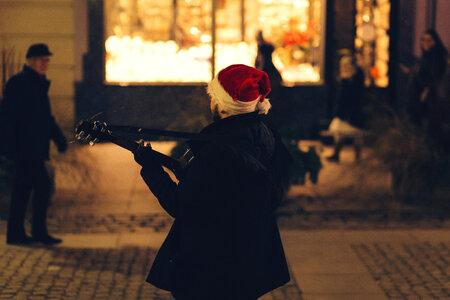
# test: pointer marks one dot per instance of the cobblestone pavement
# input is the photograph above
(158, 222)
(35, 273)
(408, 271)
(109, 223)
(362, 219)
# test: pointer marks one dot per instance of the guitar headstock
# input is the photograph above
(92, 132)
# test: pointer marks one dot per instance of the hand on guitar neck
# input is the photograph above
(96, 131)
(144, 155)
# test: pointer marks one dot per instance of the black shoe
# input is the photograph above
(47, 240)
(23, 240)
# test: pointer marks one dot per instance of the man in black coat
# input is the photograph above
(224, 243)
(27, 118)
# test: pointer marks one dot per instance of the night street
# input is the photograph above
(224, 149)
(112, 227)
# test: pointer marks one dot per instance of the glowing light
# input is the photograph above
(205, 38)
(301, 3)
(266, 2)
(194, 30)
(132, 59)
(135, 60)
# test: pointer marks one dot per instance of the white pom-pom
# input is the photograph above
(264, 107)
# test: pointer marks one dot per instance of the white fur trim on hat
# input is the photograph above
(235, 107)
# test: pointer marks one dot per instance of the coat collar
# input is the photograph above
(232, 125)
(225, 129)
(32, 73)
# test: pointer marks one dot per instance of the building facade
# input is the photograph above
(170, 49)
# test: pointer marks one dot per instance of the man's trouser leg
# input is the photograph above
(40, 200)
(20, 194)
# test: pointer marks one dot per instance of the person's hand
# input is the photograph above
(144, 155)
(424, 95)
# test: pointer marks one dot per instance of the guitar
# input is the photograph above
(96, 131)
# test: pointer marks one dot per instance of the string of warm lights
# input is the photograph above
(158, 42)
(135, 60)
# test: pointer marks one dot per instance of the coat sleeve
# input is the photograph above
(190, 195)
(9, 117)
(57, 135)
(162, 186)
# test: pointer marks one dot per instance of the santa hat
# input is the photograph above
(240, 89)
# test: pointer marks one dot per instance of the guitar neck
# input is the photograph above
(124, 143)
(167, 161)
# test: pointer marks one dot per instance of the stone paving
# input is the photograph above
(109, 223)
(76, 273)
(401, 270)
(160, 222)
(408, 271)
(62, 273)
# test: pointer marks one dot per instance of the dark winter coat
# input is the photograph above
(264, 63)
(350, 100)
(428, 77)
(224, 242)
(25, 118)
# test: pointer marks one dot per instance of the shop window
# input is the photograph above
(188, 41)
(372, 40)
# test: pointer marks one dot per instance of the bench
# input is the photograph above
(357, 137)
(305, 145)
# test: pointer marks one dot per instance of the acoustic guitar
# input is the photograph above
(96, 131)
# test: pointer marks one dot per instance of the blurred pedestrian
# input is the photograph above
(349, 116)
(26, 111)
(426, 105)
(224, 242)
(264, 62)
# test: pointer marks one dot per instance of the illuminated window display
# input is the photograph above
(186, 41)
(372, 40)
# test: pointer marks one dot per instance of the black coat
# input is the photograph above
(428, 76)
(26, 118)
(264, 63)
(224, 243)
(350, 100)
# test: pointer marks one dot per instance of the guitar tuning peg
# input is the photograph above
(93, 142)
(80, 135)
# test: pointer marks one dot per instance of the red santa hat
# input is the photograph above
(240, 89)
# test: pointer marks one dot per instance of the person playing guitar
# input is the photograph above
(224, 242)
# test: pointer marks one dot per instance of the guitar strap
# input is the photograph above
(187, 157)
(152, 132)
(159, 132)
(143, 132)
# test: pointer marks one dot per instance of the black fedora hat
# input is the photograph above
(38, 50)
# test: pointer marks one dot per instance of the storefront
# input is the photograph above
(188, 41)
(149, 61)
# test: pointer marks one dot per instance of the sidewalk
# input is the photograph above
(325, 264)
(112, 227)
